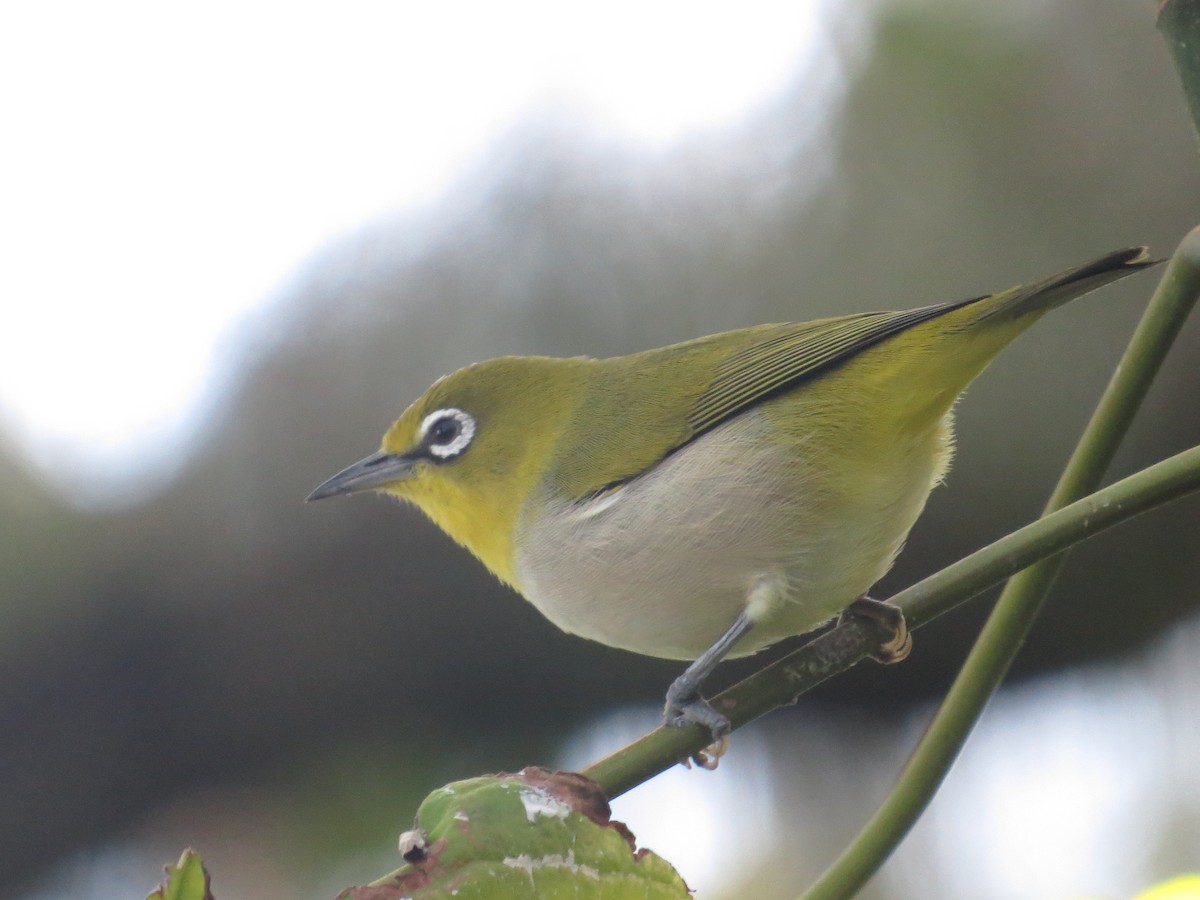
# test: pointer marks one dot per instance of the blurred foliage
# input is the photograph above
(1183, 887)
(974, 149)
(186, 880)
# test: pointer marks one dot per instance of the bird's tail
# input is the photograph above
(1058, 289)
(952, 349)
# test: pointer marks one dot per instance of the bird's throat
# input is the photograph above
(475, 522)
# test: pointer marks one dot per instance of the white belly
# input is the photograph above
(664, 564)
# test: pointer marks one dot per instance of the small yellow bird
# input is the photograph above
(706, 499)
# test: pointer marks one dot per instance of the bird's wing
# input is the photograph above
(641, 408)
(786, 355)
(792, 353)
(631, 413)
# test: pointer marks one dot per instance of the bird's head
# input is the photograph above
(472, 448)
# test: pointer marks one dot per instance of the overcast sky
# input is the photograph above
(166, 166)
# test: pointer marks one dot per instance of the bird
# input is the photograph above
(704, 500)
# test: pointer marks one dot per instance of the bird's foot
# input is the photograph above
(896, 648)
(686, 707)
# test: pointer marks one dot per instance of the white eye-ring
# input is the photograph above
(447, 432)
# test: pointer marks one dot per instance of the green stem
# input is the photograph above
(1025, 594)
(786, 679)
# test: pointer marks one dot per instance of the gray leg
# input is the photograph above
(684, 703)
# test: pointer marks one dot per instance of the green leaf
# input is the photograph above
(536, 834)
(186, 880)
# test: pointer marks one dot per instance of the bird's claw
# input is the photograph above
(896, 648)
(686, 707)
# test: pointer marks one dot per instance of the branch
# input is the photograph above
(837, 650)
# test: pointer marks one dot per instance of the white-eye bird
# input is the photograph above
(709, 498)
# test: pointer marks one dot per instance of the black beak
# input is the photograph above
(375, 471)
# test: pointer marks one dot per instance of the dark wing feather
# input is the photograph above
(782, 361)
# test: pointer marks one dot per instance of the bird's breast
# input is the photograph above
(663, 564)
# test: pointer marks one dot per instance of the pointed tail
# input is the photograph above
(1058, 289)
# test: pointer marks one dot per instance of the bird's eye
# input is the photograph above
(447, 432)
(443, 431)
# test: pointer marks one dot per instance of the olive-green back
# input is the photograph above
(637, 409)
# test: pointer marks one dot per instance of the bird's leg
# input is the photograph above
(896, 648)
(684, 703)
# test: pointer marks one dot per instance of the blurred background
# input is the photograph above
(238, 239)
